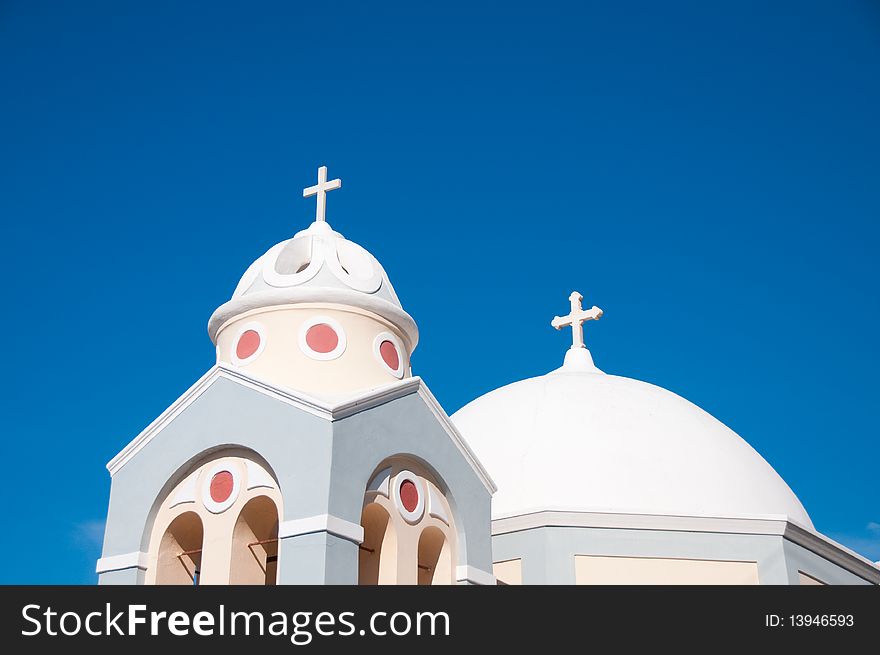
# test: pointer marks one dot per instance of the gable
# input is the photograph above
(359, 404)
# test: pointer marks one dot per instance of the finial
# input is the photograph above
(320, 190)
(576, 319)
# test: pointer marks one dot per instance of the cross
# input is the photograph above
(576, 319)
(320, 190)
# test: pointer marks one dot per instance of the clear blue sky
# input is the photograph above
(706, 172)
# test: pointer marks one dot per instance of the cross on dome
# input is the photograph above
(320, 190)
(576, 319)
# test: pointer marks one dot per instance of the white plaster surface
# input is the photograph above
(577, 439)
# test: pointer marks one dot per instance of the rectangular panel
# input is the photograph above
(595, 569)
(508, 572)
(808, 579)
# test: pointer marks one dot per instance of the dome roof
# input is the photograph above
(316, 265)
(577, 439)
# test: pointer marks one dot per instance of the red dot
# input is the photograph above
(248, 343)
(409, 495)
(322, 338)
(389, 355)
(221, 486)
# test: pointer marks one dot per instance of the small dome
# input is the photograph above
(316, 265)
(577, 439)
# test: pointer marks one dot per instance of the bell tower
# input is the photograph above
(309, 453)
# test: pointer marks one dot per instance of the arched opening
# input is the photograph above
(435, 558)
(377, 558)
(255, 544)
(180, 551)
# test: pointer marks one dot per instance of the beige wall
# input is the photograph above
(282, 362)
(805, 579)
(508, 572)
(225, 549)
(594, 569)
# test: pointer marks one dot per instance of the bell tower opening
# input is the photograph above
(180, 551)
(254, 558)
(435, 558)
(409, 528)
(377, 558)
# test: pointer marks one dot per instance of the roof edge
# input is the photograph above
(767, 524)
(328, 410)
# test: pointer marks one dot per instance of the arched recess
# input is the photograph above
(435, 558)
(180, 551)
(377, 559)
(254, 558)
(410, 534)
(217, 489)
(194, 463)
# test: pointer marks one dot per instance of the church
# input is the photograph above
(310, 454)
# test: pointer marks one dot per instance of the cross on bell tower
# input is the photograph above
(576, 319)
(320, 190)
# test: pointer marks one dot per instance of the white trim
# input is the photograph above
(335, 325)
(380, 483)
(314, 406)
(341, 249)
(414, 516)
(186, 492)
(441, 415)
(254, 326)
(467, 573)
(375, 397)
(435, 505)
(266, 299)
(212, 505)
(328, 411)
(133, 560)
(257, 476)
(769, 524)
(322, 523)
(282, 280)
(163, 419)
(377, 343)
(832, 551)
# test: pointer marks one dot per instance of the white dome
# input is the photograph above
(316, 265)
(577, 439)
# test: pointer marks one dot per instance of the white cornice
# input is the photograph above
(769, 524)
(441, 415)
(473, 575)
(162, 420)
(779, 525)
(133, 560)
(322, 523)
(375, 397)
(325, 409)
(832, 551)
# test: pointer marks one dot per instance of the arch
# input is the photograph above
(194, 463)
(180, 551)
(254, 558)
(435, 558)
(377, 557)
(423, 468)
(410, 537)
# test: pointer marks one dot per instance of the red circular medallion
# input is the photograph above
(221, 486)
(322, 338)
(389, 355)
(409, 495)
(248, 343)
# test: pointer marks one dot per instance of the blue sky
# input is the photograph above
(707, 173)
